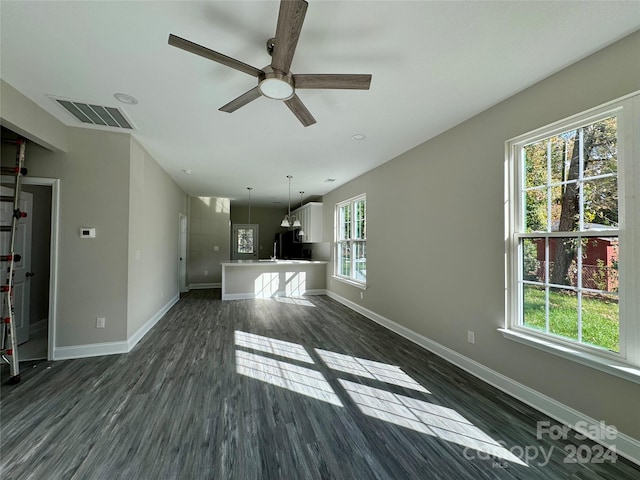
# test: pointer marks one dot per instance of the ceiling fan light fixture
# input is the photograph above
(276, 89)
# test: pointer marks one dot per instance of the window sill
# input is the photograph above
(613, 367)
(353, 283)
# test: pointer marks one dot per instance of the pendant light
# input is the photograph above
(249, 188)
(285, 221)
(301, 231)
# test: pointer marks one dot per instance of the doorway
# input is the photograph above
(182, 254)
(39, 307)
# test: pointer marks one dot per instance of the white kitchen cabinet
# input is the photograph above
(310, 216)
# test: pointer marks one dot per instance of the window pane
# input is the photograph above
(601, 203)
(571, 222)
(561, 156)
(563, 261)
(536, 210)
(344, 259)
(533, 259)
(345, 222)
(245, 240)
(360, 225)
(601, 148)
(360, 261)
(563, 313)
(565, 213)
(601, 321)
(535, 164)
(533, 308)
(600, 264)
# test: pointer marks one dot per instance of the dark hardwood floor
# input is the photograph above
(265, 389)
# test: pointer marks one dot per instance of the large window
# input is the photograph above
(572, 235)
(351, 240)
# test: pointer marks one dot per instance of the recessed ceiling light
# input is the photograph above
(358, 136)
(186, 171)
(124, 98)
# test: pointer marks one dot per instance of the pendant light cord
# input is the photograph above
(289, 177)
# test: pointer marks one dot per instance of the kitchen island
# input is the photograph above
(242, 279)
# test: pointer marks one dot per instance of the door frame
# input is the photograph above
(54, 183)
(256, 240)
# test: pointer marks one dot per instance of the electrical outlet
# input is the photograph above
(206, 272)
(361, 295)
(100, 322)
(471, 336)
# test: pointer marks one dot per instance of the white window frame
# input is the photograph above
(351, 278)
(626, 362)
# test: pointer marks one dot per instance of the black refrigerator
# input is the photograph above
(289, 246)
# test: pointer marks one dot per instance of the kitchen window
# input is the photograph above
(351, 240)
(573, 230)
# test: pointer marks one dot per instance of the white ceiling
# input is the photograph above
(434, 64)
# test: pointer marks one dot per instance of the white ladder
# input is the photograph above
(9, 342)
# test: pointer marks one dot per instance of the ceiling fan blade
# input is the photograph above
(241, 101)
(300, 111)
(212, 55)
(352, 82)
(290, 19)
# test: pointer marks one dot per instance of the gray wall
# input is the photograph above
(155, 202)
(92, 273)
(107, 181)
(436, 236)
(268, 220)
(209, 227)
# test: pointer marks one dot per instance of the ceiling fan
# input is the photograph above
(276, 81)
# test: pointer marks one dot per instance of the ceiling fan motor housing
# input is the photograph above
(276, 84)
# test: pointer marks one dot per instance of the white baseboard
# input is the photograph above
(112, 348)
(144, 329)
(623, 445)
(89, 350)
(249, 296)
(203, 286)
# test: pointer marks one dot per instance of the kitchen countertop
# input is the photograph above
(249, 263)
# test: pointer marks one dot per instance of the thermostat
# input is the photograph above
(87, 232)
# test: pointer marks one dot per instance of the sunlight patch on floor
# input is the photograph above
(294, 301)
(291, 350)
(424, 417)
(282, 374)
(383, 372)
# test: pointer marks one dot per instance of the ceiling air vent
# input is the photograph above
(95, 114)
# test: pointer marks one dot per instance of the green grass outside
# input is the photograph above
(600, 325)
